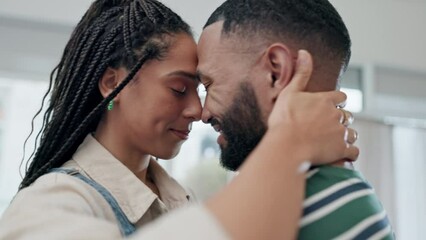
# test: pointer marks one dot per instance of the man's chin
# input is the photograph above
(226, 165)
(229, 161)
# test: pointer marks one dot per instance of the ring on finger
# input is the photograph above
(351, 136)
(347, 117)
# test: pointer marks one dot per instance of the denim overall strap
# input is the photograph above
(126, 227)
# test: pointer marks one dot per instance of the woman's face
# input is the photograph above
(157, 108)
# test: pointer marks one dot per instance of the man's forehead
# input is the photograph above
(212, 32)
(211, 49)
(214, 41)
(218, 52)
(210, 40)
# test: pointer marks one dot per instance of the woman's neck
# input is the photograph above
(135, 161)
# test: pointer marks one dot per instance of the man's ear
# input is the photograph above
(280, 65)
(109, 81)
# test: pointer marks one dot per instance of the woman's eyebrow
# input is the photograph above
(185, 75)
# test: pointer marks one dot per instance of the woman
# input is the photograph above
(124, 90)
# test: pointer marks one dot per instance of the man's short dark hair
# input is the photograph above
(314, 25)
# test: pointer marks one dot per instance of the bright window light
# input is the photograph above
(354, 102)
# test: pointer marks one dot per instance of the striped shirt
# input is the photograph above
(340, 204)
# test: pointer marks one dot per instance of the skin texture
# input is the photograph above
(224, 66)
(296, 132)
(153, 115)
(232, 69)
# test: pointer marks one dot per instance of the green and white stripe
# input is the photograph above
(340, 204)
(360, 227)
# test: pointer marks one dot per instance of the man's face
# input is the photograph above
(234, 104)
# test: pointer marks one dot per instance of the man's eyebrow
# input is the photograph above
(185, 75)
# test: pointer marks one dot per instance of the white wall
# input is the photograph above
(389, 32)
(385, 33)
(60, 11)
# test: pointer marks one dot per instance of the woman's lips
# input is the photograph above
(181, 134)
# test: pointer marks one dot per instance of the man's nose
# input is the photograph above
(205, 115)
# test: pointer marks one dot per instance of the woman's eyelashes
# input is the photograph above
(183, 86)
(179, 90)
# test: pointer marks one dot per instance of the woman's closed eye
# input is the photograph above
(179, 90)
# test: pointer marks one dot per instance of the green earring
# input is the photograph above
(110, 105)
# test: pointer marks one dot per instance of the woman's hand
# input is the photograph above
(314, 120)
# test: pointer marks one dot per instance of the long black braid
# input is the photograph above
(112, 33)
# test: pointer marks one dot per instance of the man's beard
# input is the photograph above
(242, 127)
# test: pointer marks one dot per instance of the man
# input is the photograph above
(247, 55)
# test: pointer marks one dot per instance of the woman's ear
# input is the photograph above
(280, 64)
(109, 81)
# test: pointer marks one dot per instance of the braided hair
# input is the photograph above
(112, 33)
(314, 25)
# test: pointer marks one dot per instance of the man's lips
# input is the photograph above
(217, 128)
(216, 125)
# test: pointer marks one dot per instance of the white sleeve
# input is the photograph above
(193, 222)
(65, 210)
(68, 209)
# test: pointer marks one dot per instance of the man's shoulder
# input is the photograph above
(332, 177)
(334, 188)
(340, 199)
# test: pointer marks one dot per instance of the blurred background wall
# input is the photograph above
(386, 84)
